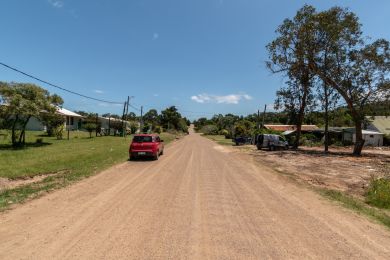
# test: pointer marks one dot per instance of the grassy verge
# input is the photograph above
(356, 205)
(66, 161)
(220, 139)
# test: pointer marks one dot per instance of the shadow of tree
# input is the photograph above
(21, 147)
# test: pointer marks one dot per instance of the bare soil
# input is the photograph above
(338, 170)
(198, 201)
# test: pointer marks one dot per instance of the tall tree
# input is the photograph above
(290, 54)
(21, 101)
(358, 71)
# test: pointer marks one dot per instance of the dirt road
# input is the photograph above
(199, 201)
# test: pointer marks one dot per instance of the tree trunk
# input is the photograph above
(301, 114)
(326, 118)
(13, 130)
(359, 141)
(22, 134)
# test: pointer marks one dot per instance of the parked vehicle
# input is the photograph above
(146, 145)
(242, 140)
(270, 141)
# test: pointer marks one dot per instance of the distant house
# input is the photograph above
(291, 128)
(379, 124)
(371, 138)
(72, 121)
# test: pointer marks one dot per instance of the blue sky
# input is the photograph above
(204, 56)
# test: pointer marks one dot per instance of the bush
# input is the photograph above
(39, 141)
(379, 193)
(209, 130)
(59, 132)
(158, 129)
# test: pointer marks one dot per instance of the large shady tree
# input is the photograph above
(20, 102)
(290, 54)
(329, 45)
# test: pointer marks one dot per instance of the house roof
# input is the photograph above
(365, 132)
(382, 123)
(67, 112)
(283, 128)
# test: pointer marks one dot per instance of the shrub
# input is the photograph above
(59, 131)
(158, 129)
(39, 140)
(209, 130)
(379, 193)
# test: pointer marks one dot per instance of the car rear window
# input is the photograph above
(142, 139)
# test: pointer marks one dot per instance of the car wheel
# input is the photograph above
(162, 152)
(272, 148)
(156, 156)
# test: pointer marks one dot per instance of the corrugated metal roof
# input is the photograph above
(67, 112)
(283, 128)
(382, 123)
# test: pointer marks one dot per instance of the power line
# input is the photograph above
(53, 85)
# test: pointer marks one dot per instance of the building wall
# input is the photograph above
(371, 139)
(35, 125)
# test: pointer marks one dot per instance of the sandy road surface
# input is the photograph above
(199, 201)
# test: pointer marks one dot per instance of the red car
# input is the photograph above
(146, 145)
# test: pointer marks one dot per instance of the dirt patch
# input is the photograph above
(6, 183)
(337, 170)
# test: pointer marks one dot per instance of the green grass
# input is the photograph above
(68, 161)
(356, 205)
(220, 139)
(378, 193)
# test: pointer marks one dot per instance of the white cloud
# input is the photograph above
(155, 36)
(56, 3)
(98, 91)
(228, 99)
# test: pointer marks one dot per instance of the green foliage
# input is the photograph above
(326, 48)
(23, 101)
(151, 117)
(91, 124)
(158, 129)
(52, 121)
(225, 133)
(209, 130)
(133, 127)
(379, 193)
(59, 131)
(90, 127)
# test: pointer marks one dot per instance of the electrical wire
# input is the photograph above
(56, 86)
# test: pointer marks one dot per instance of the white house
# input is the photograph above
(72, 121)
(371, 138)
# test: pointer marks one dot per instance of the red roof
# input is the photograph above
(283, 128)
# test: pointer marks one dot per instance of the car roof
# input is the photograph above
(145, 135)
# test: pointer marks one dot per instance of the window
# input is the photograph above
(142, 139)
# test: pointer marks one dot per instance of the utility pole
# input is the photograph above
(123, 119)
(141, 120)
(265, 109)
(96, 122)
(258, 118)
